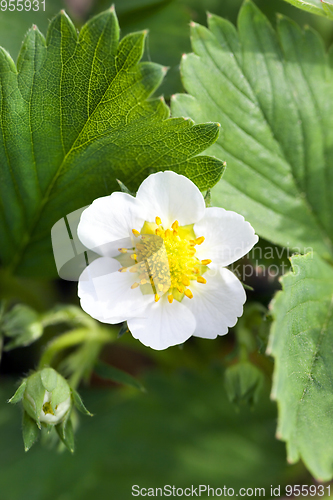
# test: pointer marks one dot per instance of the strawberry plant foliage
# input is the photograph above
(75, 115)
(301, 343)
(272, 93)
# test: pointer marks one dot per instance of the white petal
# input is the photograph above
(166, 324)
(107, 295)
(107, 223)
(171, 197)
(217, 304)
(228, 237)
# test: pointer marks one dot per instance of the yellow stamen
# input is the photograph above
(122, 250)
(168, 263)
(122, 269)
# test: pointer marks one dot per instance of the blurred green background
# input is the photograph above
(184, 430)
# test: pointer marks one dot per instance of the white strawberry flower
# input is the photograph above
(163, 262)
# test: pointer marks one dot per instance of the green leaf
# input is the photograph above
(29, 430)
(18, 394)
(109, 372)
(22, 324)
(319, 7)
(273, 95)
(301, 343)
(79, 403)
(75, 115)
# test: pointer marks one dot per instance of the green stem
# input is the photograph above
(72, 338)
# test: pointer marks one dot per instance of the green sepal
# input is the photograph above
(49, 378)
(66, 433)
(79, 403)
(124, 189)
(29, 431)
(109, 372)
(34, 396)
(243, 383)
(18, 394)
(123, 329)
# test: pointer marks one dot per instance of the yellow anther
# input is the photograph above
(175, 225)
(158, 231)
(168, 233)
(205, 262)
(200, 240)
(170, 298)
(196, 270)
(157, 297)
(180, 289)
(135, 232)
(134, 256)
(122, 250)
(122, 269)
(188, 293)
(135, 285)
(185, 281)
(175, 233)
(200, 279)
(143, 282)
(192, 243)
(158, 221)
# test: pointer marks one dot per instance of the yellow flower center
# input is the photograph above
(165, 260)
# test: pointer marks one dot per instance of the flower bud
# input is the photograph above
(47, 397)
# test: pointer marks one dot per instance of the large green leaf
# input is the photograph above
(301, 343)
(273, 95)
(75, 115)
(319, 7)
